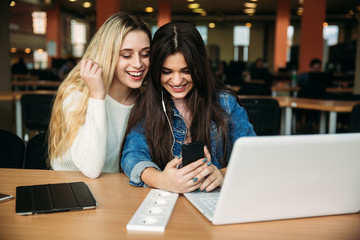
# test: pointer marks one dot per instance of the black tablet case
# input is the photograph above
(53, 198)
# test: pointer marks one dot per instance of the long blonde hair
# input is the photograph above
(104, 49)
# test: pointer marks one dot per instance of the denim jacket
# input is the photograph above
(136, 154)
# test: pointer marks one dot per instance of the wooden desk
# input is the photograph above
(331, 106)
(284, 88)
(16, 96)
(39, 83)
(118, 201)
(30, 77)
(340, 90)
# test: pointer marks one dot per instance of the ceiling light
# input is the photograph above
(193, 5)
(249, 10)
(13, 50)
(149, 9)
(190, 0)
(12, 3)
(254, 0)
(203, 14)
(87, 4)
(72, 0)
(198, 10)
(248, 25)
(325, 24)
(212, 25)
(27, 50)
(300, 11)
(250, 5)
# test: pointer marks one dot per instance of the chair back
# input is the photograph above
(316, 86)
(264, 115)
(36, 152)
(355, 119)
(255, 89)
(36, 111)
(12, 150)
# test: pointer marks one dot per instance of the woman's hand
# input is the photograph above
(201, 174)
(209, 175)
(181, 180)
(91, 73)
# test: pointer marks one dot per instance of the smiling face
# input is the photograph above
(175, 76)
(133, 61)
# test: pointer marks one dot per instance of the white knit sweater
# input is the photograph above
(96, 147)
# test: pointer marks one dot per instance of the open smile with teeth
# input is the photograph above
(178, 87)
(135, 74)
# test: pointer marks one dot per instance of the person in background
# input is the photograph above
(303, 78)
(183, 103)
(221, 71)
(94, 101)
(259, 72)
(19, 67)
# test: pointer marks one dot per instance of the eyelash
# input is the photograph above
(165, 72)
(142, 55)
(169, 72)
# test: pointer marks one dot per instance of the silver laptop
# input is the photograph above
(283, 177)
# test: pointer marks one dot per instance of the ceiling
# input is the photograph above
(217, 10)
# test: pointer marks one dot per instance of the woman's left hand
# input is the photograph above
(209, 174)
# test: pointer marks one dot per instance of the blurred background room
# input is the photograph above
(261, 45)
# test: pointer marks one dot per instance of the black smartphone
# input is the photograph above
(192, 152)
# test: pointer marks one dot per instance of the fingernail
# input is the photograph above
(209, 163)
(195, 179)
(179, 156)
(198, 190)
(205, 159)
(204, 190)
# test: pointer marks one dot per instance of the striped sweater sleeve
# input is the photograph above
(88, 152)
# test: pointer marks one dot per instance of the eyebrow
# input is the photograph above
(165, 68)
(130, 50)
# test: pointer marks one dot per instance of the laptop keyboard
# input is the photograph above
(210, 202)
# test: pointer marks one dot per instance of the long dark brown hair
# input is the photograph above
(202, 100)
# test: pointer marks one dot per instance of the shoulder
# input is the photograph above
(227, 100)
(225, 94)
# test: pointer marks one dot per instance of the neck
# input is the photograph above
(123, 94)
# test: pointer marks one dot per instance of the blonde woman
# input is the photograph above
(93, 103)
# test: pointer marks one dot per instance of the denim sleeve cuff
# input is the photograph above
(137, 171)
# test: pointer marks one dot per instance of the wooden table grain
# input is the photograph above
(118, 201)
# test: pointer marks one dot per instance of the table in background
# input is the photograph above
(118, 201)
(24, 77)
(292, 91)
(333, 107)
(340, 90)
(35, 83)
(16, 96)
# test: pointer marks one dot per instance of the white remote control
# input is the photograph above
(154, 212)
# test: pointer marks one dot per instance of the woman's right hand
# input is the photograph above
(91, 73)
